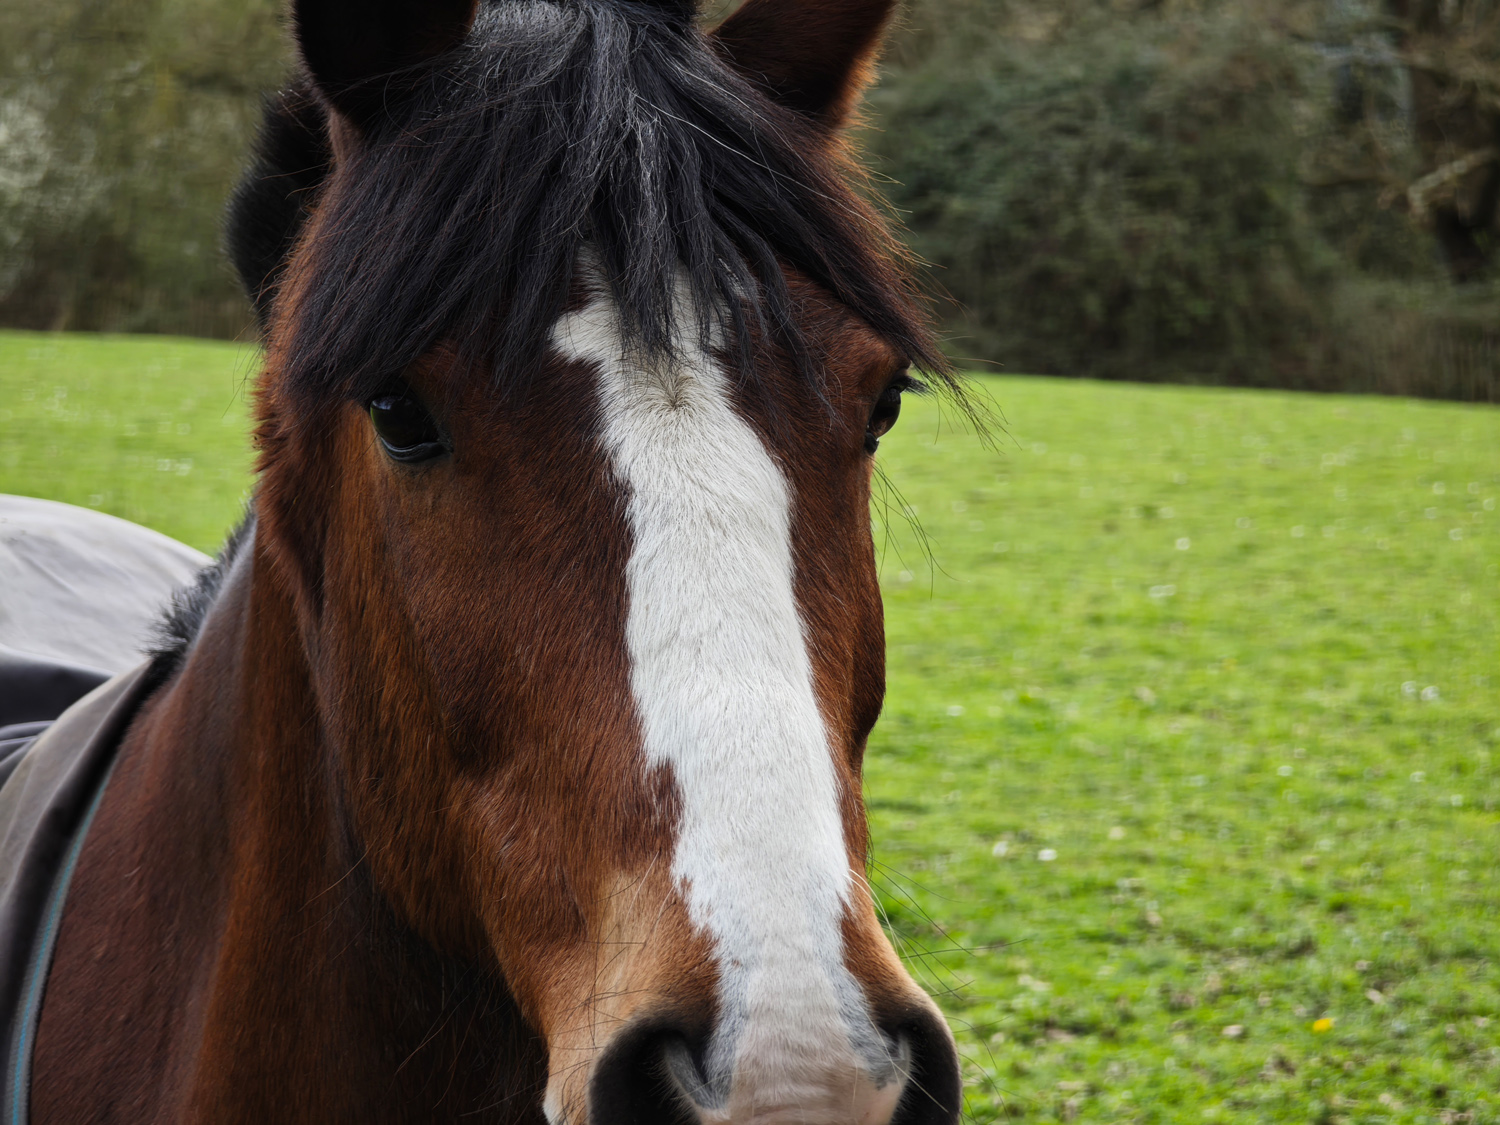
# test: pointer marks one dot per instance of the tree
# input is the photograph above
(1419, 100)
(123, 124)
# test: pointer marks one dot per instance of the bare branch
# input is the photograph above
(1421, 194)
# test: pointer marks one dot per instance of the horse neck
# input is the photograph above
(221, 912)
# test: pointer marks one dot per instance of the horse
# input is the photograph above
(506, 765)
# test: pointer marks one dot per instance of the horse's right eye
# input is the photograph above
(887, 410)
(405, 429)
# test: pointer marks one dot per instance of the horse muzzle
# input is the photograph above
(659, 1071)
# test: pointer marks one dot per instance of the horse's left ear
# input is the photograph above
(352, 48)
(813, 56)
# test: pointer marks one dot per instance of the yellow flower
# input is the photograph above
(1324, 1024)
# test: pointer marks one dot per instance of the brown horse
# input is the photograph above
(507, 765)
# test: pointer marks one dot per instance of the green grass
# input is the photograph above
(150, 429)
(1214, 673)
(1229, 659)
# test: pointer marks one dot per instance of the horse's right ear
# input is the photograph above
(353, 48)
(812, 56)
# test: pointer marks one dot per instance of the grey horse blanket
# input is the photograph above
(79, 591)
(50, 788)
(80, 588)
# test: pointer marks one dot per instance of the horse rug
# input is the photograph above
(50, 787)
(79, 591)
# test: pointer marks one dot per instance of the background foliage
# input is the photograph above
(1123, 205)
(1297, 193)
(1280, 192)
(123, 124)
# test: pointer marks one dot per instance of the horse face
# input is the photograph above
(597, 659)
(605, 667)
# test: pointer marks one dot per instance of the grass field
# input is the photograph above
(1185, 799)
(150, 429)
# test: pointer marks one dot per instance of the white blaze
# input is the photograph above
(724, 689)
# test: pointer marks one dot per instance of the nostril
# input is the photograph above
(685, 1069)
(934, 1088)
(648, 1076)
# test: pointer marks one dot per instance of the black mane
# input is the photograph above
(608, 123)
(276, 194)
(182, 621)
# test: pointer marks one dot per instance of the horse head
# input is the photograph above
(578, 359)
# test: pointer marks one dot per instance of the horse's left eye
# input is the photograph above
(887, 410)
(405, 428)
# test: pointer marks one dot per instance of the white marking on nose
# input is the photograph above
(724, 689)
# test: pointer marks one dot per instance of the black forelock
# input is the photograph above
(272, 200)
(183, 618)
(611, 124)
